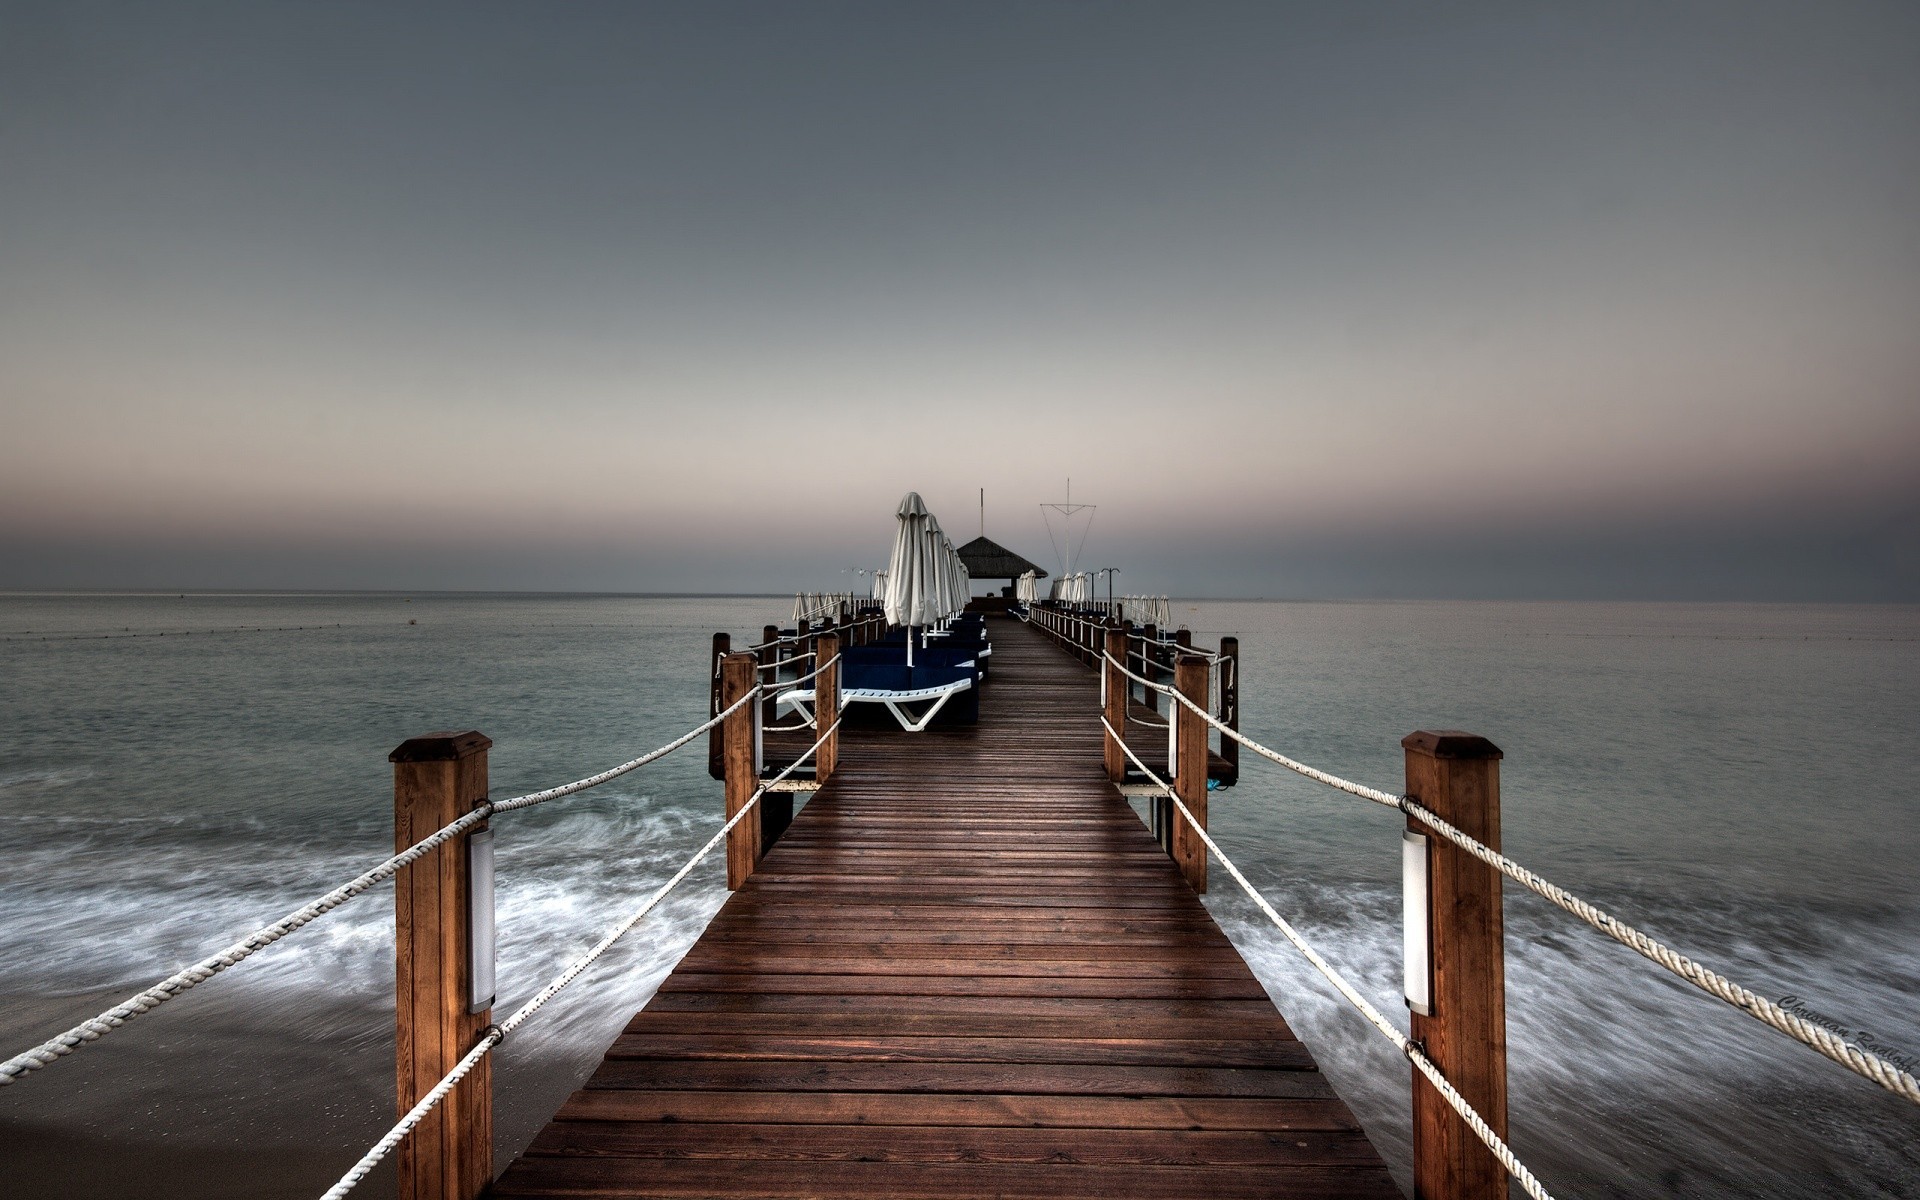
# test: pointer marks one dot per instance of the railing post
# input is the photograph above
(802, 644)
(826, 708)
(1230, 702)
(742, 731)
(439, 778)
(716, 760)
(1457, 777)
(1149, 662)
(1115, 692)
(1190, 768)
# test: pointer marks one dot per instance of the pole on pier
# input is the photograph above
(1190, 768)
(1230, 703)
(716, 761)
(438, 778)
(1457, 776)
(1114, 688)
(742, 730)
(1150, 658)
(770, 648)
(826, 708)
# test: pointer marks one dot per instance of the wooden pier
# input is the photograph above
(965, 969)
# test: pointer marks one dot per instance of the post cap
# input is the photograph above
(1450, 743)
(440, 747)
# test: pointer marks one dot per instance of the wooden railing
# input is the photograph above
(1460, 1020)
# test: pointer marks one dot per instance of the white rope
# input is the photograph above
(496, 1034)
(1861, 1062)
(1864, 1063)
(810, 674)
(173, 985)
(1167, 644)
(632, 764)
(785, 662)
(1414, 1053)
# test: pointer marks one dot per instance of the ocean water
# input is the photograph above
(175, 770)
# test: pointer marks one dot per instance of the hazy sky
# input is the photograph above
(1577, 300)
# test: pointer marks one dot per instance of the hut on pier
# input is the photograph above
(988, 559)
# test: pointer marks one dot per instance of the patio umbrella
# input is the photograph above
(959, 582)
(912, 597)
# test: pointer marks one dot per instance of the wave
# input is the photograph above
(1624, 1081)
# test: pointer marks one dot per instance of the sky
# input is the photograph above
(1313, 301)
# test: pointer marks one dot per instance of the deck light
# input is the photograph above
(1418, 957)
(480, 923)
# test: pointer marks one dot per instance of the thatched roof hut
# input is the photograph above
(990, 560)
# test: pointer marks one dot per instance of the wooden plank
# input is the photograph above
(1151, 1147)
(940, 1109)
(926, 1048)
(776, 1179)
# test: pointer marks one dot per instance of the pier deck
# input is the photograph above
(966, 970)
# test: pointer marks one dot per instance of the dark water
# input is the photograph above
(1732, 778)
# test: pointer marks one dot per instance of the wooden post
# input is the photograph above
(770, 648)
(802, 644)
(1116, 707)
(449, 1156)
(716, 760)
(737, 673)
(826, 708)
(1230, 702)
(1183, 637)
(1457, 776)
(1190, 773)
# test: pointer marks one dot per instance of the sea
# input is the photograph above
(176, 770)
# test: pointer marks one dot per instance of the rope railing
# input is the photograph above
(95, 1028)
(496, 1034)
(1169, 644)
(1414, 1053)
(811, 674)
(1864, 1063)
(788, 639)
(811, 722)
(785, 662)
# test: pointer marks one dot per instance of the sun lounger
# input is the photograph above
(895, 686)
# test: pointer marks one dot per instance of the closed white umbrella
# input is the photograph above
(959, 583)
(912, 597)
(1024, 587)
(942, 571)
(942, 558)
